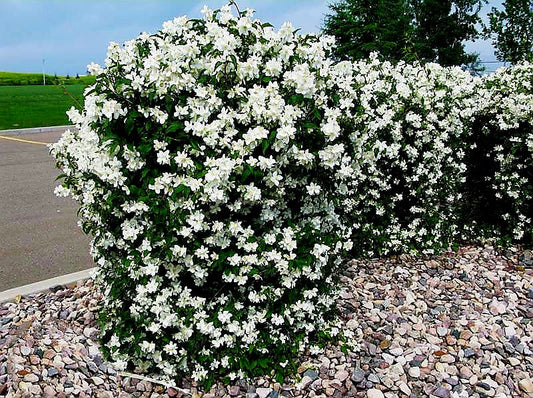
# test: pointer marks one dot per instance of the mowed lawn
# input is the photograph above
(37, 106)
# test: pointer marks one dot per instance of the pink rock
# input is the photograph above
(497, 307)
(342, 375)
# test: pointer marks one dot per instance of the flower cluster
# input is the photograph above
(202, 164)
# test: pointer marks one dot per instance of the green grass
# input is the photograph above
(24, 79)
(37, 106)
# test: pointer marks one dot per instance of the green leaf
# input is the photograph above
(175, 126)
(264, 145)
(145, 172)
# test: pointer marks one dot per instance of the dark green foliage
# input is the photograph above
(512, 30)
(442, 26)
(427, 30)
(491, 212)
(364, 26)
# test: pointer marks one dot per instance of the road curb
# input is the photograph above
(34, 130)
(38, 287)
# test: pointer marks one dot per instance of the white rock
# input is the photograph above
(510, 331)
(31, 378)
(36, 390)
(441, 331)
(87, 332)
(401, 360)
(387, 382)
(414, 372)
(97, 380)
(497, 307)
(526, 385)
(24, 350)
(306, 380)
(49, 392)
(397, 351)
(353, 324)
(433, 339)
(263, 392)
(404, 388)
(447, 358)
(374, 393)
(388, 358)
(23, 386)
(93, 351)
(395, 371)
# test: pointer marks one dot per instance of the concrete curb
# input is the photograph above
(38, 287)
(33, 130)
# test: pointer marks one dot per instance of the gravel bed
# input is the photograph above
(456, 325)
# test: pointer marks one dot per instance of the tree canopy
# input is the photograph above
(511, 30)
(365, 26)
(428, 30)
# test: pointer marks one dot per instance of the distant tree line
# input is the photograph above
(36, 79)
(428, 30)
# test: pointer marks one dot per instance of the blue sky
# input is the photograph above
(69, 34)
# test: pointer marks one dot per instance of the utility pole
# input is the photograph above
(44, 77)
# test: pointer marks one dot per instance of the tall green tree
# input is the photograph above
(511, 30)
(365, 26)
(428, 30)
(441, 28)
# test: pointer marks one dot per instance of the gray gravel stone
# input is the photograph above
(358, 376)
(52, 372)
(312, 374)
(441, 392)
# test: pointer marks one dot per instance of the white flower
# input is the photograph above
(224, 316)
(163, 157)
(148, 346)
(252, 193)
(94, 69)
(111, 109)
(313, 189)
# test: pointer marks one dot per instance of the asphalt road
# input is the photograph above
(39, 237)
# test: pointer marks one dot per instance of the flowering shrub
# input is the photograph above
(223, 169)
(407, 148)
(202, 163)
(499, 187)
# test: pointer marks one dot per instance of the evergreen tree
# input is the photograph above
(441, 28)
(364, 26)
(512, 30)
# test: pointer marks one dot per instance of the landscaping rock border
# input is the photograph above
(455, 325)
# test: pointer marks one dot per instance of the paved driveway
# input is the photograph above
(39, 237)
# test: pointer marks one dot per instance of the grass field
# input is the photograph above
(37, 106)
